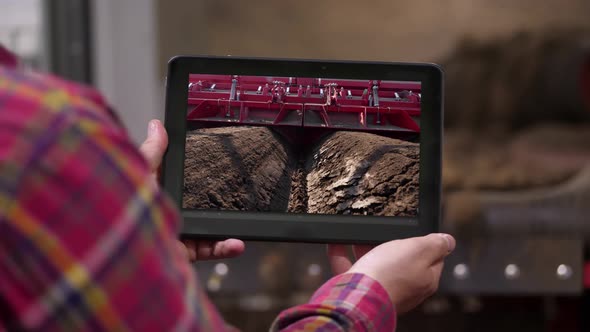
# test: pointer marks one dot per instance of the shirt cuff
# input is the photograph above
(347, 302)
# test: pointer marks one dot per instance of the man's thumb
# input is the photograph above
(439, 245)
(154, 146)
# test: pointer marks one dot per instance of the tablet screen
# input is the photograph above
(302, 145)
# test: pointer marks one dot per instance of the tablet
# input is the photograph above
(303, 150)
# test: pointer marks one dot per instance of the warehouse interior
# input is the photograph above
(516, 160)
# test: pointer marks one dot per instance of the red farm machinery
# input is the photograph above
(290, 104)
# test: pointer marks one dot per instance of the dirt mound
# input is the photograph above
(253, 169)
(236, 168)
(364, 174)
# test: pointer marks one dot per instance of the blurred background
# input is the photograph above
(517, 132)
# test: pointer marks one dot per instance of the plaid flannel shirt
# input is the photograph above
(87, 243)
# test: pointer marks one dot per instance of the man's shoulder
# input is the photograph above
(44, 117)
(34, 94)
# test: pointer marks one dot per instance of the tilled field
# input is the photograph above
(254, 169)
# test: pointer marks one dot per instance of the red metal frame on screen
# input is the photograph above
(366, 105)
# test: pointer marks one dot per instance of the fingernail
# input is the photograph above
(152, 128)
(450, 242)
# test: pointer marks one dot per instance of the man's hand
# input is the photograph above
(153, 149)
(408, 269)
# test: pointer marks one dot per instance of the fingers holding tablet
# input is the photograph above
(408, 269)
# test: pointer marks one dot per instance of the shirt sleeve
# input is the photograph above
(348, 302)
(86, 241)
(7, 58)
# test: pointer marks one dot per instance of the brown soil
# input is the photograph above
(298, 198)
(246, 168)
(360, 173)
(252, 168)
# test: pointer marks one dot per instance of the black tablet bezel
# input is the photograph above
(305, 227)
